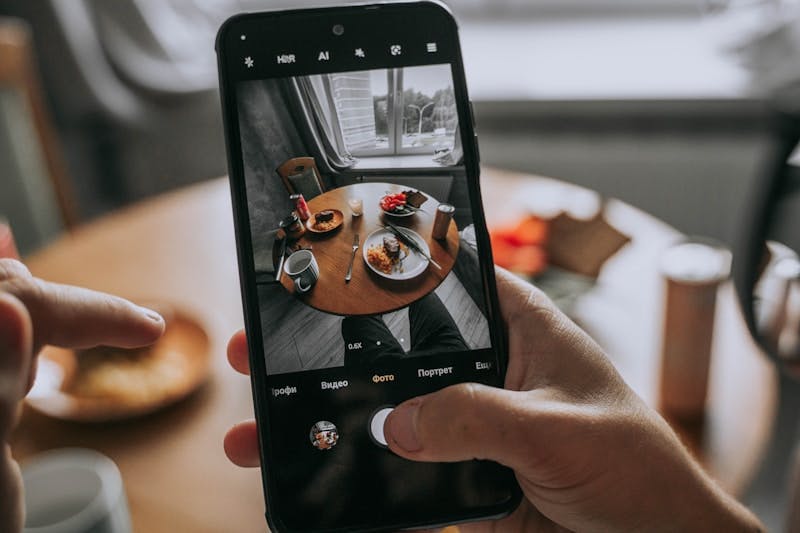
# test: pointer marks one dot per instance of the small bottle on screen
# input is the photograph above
(444, 214)
(301, 206)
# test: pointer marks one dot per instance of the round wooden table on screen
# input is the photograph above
(368, 293)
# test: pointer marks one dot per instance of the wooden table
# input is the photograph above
(180, 247)
(368, 293)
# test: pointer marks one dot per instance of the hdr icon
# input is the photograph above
(286, 59)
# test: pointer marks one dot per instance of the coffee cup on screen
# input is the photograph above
(302, 267)
(74, 490)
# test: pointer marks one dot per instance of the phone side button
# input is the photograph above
(375, 426)
(477, 148)
(472, 115)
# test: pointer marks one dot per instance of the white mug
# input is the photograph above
(74, 490)
(302, 267)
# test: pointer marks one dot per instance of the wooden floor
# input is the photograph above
(297, 337)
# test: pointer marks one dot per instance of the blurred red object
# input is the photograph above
(521, 248)
(8, 248)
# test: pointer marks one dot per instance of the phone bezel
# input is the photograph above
(248, 286)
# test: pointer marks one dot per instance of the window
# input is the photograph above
(429, 115)
(409, 110)
(352, 98)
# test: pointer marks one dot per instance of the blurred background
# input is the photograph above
(660, 103)
(656, 102)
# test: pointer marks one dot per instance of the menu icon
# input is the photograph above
(432, 48)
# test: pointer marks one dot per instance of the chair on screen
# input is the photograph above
(301, 176)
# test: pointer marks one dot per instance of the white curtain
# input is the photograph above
(307, 105)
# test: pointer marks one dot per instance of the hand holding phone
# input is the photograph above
(588, 453)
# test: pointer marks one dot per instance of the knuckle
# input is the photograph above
(30, 291)
(21, 287)
(12, 268)
(542, 307)
(461, 396)
(462, 403)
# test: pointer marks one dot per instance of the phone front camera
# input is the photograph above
(338, 29)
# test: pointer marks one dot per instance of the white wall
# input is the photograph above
(693, 177)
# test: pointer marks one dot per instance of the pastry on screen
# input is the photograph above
(324, 216)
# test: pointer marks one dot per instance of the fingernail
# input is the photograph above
(401, 426)
(152, 315)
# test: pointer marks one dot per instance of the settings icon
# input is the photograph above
(248, 61)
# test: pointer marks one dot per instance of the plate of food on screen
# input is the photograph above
(324, 221)
(398, 256)
(402, 204)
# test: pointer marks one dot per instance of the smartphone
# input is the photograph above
(365, 265)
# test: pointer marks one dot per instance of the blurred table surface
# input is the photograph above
(180, 248)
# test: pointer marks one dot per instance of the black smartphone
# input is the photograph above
(365, 263)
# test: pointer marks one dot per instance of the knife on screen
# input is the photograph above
(411, 243)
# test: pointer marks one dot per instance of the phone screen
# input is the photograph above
(366, 271)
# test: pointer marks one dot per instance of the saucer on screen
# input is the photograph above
(325, 221)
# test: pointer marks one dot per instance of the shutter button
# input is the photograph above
(376, 422)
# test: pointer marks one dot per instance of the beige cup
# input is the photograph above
(693, 271)
(74, 490)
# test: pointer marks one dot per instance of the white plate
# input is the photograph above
(398, 215)
(412, 266)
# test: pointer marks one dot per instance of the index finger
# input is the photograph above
(75, 317)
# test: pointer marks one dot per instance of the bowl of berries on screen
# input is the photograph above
(402, 204)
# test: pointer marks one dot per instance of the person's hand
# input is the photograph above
(35, 313)
(587, 452)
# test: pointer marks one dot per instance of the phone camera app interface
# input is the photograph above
(361, 224)
(370, 288)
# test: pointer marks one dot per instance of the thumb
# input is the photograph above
(16, 351)
(463, 422)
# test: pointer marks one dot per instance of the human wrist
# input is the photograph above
(699, 504)
(718, 511)
(681, 496)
